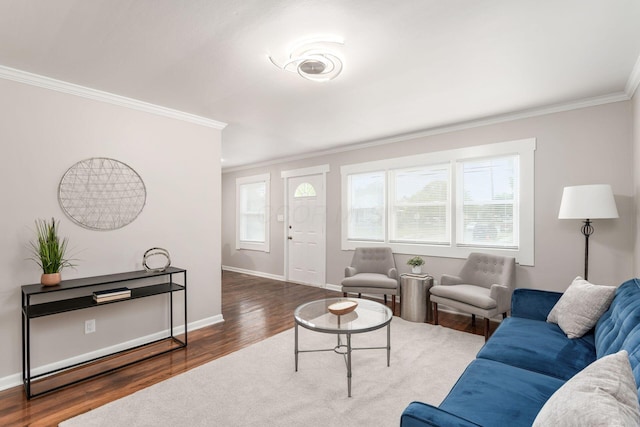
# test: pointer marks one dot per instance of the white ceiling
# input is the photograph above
(410, 65)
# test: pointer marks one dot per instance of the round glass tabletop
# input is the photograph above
(368, 316)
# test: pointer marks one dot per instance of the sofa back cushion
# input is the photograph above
(619, 327)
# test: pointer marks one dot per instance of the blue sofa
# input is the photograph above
(527, 360)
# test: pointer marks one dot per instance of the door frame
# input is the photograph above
(295, 173)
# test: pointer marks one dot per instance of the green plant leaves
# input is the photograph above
(48, 249)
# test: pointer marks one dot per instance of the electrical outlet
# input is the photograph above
(89, 326)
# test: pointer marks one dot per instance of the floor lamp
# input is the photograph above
(587, 202)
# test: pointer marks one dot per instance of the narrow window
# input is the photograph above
(252, 221)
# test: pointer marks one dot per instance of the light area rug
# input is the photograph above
(258, 385)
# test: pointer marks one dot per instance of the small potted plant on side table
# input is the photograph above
(416, 264)
(49, 251)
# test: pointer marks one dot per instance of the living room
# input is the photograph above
(59, 111)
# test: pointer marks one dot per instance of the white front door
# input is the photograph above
(306, 218)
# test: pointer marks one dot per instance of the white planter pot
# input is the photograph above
(417, 269)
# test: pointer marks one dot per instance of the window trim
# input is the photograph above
(254, 246)
(525, 148)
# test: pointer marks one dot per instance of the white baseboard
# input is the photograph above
(254, 273)
(327, 286)
(332, 287)
(16, 379)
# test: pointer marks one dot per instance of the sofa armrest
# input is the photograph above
(533, 303)
(350, 271)
(448, 279)
(419, 414)
(393, 273)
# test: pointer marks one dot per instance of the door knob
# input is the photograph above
(289, 237)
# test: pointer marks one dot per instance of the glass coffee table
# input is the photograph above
(367, 316)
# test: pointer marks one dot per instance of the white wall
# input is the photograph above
(44, 132)
(584, 146)
(636, 175)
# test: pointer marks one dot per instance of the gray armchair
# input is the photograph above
(372, 271)
(483, 288)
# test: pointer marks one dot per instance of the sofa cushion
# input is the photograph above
(604, 393)
(491, 393)
(419, 414)
(581, 306)
(539, 346)
(619, 327)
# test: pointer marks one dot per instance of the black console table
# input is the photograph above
(77, 294)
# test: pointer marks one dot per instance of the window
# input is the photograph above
(305, 190)
(252, 221)
(487, 209)
(446, 203)
(366, 207)
(419, 205)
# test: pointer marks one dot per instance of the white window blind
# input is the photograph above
(252, 212)
(366, 209)
(252, 201)
(488, 210)
(419, 205)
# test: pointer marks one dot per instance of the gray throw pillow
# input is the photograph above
(580, 307)
(602, 394)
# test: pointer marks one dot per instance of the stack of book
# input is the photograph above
(111, 295)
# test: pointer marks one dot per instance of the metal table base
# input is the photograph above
(345, 350)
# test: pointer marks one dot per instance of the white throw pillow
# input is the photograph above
(602, 394)
(580, 307)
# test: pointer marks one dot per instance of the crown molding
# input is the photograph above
(634, 80)
(98, 95)
(524, 114)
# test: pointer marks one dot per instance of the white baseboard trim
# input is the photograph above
(253, 273)
(16, 379)
(198, 324)
(327, 286)
(332, 287)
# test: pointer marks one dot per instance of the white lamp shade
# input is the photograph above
(588, 202)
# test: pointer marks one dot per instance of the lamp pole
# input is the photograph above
(587, 230)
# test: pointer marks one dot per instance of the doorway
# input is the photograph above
(305, 228)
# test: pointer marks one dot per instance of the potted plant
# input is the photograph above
(49, 251)
(416, 264)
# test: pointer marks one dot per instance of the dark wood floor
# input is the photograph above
(253, 308)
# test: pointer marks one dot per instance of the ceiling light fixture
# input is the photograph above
(314, 59)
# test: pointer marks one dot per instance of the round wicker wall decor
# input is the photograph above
(102, 193)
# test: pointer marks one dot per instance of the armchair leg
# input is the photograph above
(359, 295)
(473, 320)
(486, 329)
(385, 299)
(393, 304)
(504, 315)
(435, 313)
(344, 294)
